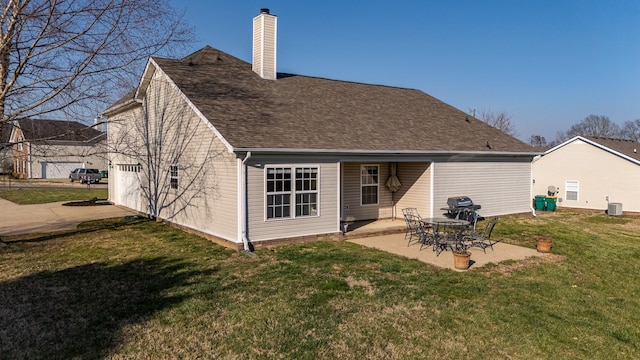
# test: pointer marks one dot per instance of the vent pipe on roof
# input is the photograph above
(264, 44)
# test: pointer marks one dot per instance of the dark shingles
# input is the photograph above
(36, 130)
(301, 112)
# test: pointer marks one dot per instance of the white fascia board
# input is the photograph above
(230, 148)
(564, 144)
(145, 80)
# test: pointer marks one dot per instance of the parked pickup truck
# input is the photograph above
(85, 176)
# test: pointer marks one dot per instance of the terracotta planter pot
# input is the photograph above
(461, 260)
(543, 244)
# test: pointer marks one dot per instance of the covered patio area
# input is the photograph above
(388, 235)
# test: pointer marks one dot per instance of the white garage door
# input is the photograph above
(58, 170)
(127, 189)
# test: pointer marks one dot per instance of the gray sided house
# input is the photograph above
(287, 156)
(50, 149)
(591, 172)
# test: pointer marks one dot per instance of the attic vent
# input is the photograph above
(488, 145)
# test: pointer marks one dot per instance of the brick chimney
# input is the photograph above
(264, 44)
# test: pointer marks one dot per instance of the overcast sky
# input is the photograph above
(549, 64)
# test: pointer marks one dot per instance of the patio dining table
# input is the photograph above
(447, 233)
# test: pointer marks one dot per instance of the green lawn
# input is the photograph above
(144, 290)
(26, 195)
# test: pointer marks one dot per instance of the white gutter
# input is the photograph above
(381, 152)
(243, 201)
(531, 180)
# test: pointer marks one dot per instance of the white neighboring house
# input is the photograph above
(51, 149)
(266, 157)
(590, 173)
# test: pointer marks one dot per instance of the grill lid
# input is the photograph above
(459, 201)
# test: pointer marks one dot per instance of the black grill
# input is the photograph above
(460, 207)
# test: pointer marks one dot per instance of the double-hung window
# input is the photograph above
(571, 188)
(173, 181)
(291, 192)
(369, 175)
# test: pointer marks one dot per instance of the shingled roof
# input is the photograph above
(302, 112)
(629, 148)
(43, 131)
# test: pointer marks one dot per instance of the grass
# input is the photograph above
(141, 290)
(24, 196)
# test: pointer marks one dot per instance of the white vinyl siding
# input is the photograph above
(499, 187)
(325, 222)
(415, 191)
(352, 197)
(210, 203)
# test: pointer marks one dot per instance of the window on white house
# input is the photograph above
(20, 140)
(282, 195)
(174, 176)
(278, 193)
(369, 175)
(571, 188)
(306, 191)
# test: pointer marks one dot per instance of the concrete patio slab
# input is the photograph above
(396, 244)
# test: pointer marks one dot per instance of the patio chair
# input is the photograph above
(426, 234)
(483, 239)
(448, 237)
(413, 225)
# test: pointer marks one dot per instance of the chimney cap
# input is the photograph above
(264, 11)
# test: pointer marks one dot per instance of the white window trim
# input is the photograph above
(172, 177)
(362, 166)
(569, 185)
(292, 193)
(20, 141)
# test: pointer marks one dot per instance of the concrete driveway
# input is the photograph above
(43, 218)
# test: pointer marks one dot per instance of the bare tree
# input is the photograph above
(538, 141)
(499, 120)
(631, 130)
(169, 147)
(595, 125)
(69, 59)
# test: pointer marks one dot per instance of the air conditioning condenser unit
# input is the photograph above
(615, 209)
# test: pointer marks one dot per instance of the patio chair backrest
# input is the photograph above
(486, 234)
(411, 211)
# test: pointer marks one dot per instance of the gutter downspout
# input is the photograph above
(30, 159)
(533, 210)
(243, 201)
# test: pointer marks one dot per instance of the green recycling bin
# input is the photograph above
(540, 203)
(551, 203)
